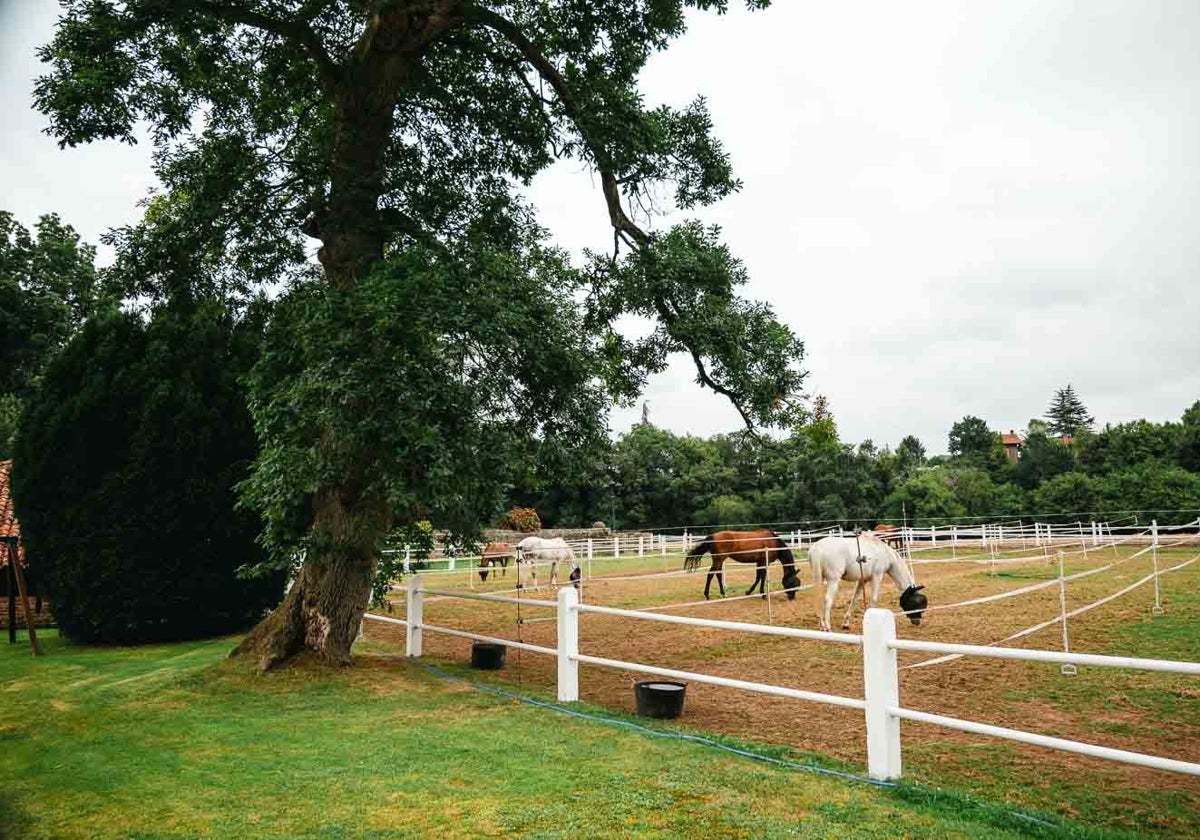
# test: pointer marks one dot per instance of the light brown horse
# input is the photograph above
(495, 553)
(758, 547)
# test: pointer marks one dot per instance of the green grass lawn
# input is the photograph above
(174, 741)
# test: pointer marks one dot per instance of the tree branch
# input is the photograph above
(546, 69)
(295, 29)
(624, 229)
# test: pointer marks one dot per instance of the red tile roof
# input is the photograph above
(8, 519)
(1012, 439)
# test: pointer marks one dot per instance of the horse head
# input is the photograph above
(791, 583)
(913, 603)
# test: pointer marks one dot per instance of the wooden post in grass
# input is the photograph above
(20, 578)
(12, 602)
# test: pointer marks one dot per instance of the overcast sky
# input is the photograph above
(959, 206)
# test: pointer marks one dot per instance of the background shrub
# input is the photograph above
(522, 519)
(124, 478)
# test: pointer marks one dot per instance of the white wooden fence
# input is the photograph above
(881, 687)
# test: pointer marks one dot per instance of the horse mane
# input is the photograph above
(693, 559)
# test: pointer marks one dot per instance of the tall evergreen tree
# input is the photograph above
(1067, 415)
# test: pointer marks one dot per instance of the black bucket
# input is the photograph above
(487, 656)
(659, 698)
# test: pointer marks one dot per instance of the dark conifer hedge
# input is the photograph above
(124, 479)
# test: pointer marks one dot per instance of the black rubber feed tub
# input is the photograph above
(487, 656)
(659, 698)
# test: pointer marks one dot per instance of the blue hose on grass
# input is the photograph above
(684, 736)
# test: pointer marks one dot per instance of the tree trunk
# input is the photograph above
(323, 609)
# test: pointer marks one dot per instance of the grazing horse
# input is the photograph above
(758, 547)
(533, 549)
(495, 554)
(860, 558)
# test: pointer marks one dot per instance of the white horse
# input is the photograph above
(834, 559)
(532, 550)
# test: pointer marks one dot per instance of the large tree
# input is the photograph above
(47, 287)
(970, 437)
(1067, 414)
(442, 331)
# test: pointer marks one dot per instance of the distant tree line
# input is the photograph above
(650, 477)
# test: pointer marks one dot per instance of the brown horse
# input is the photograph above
(495, 553)
(758, 547)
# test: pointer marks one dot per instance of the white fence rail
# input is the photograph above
(992, 539)
(881, 692)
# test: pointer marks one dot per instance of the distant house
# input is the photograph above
(1012, 445)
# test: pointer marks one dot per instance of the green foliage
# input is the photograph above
(47, 287)
(927, 498)
(1188, 445)
(10, 418)
(911, 453)
(430, 408)
(1066, 493)
(521, 519)
(125, 474)
(971, 438)
(445, 354)
(1127, 445)
(1067, 415)
(1042, 458)
(726, 510)
(1169, 494)
(417, 539)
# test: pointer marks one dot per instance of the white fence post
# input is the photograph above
(881, 689)
(407, 560)
(1067, 669)
(568, 645)
(641, 547)
(616, 547)
(1157, 609)
(414, 615)
(589, 550)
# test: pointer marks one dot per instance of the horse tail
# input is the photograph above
(705, 546)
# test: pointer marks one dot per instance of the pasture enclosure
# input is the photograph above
(963, 675)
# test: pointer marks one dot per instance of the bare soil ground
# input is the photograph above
(1146, 712)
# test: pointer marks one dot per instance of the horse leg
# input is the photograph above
(708, 583)
(860, 587)
(721, 577)
(553, 573)
(758, 574)
(831, 589)
(876, 585)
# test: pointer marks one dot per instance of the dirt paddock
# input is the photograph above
(1145, 712)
